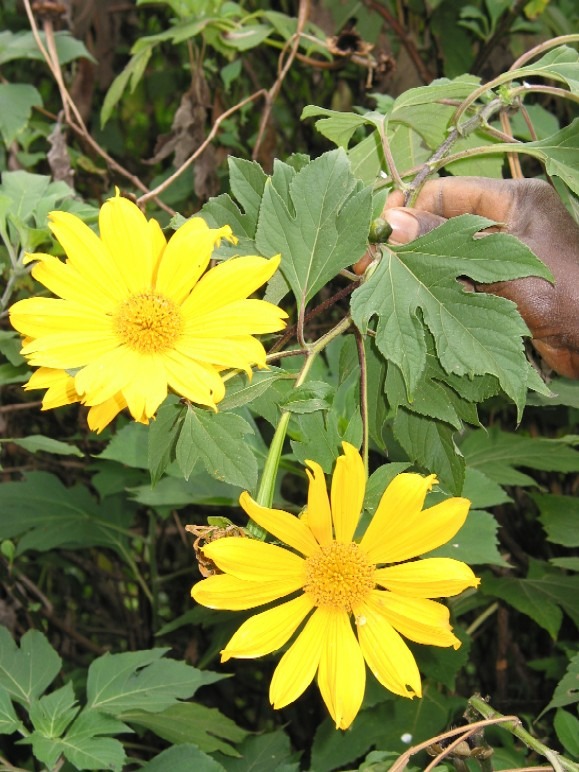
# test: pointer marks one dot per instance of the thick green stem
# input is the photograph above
(515, 728)
(266, 488)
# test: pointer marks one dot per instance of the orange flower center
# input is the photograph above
(148, 323)
(339, 576)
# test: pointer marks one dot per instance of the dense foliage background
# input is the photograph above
(185, 105)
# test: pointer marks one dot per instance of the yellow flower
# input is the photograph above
(335, 580)
(135, 317)
(60, 391)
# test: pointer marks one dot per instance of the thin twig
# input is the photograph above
(425, 75)
(48, 612)
(542, 47)
(513, 159)
(328, 303)
(186, 164)
(72, 114)
(513, 725)
(436, 159)
(402, 761)
(501, 30)
(271, 95)
(20, 406)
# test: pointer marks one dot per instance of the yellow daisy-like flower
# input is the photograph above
(334, 580)
(135, 316)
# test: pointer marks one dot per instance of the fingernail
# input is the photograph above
(405, 226)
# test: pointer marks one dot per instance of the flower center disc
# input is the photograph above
(148, 323)
(339, 576)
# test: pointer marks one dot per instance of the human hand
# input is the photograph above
(531, 210)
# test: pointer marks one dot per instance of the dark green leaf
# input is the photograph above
(567, 728)
(37, 442)
(430, 444)
(9, 721)
(497, 453)
(262, 753)
(131, 75)
(561, 63)
(22, 45)
(187, 722)
(475, 543)
(27, 671)
(241, 391)
(129, 446)
(218, 440)
(183, 758)
(246, 37)
(322, 228)
(141, 680)
(337, 126)
(247, 180)
(559, 517)
(171, 492)
(311, 396)
(543, 596)
(44, 514)
(567, 691)
(52, 713)
(16, 103)
(559, 154)
(163, 438)
(415, 286)
(481, 491)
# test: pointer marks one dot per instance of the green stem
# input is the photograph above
(266, 488)
(363, 397)
(515, 728)
(153, 568)
(137, 575)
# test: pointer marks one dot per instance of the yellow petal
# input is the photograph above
(425, 532)
(429, 578)
(187, 256)
(89, 256)
(401, 502)
(228, 593)
(256, 561)
(297, 667)
(64, 280)
(243, 317)
(158, 245)
(59, 385)
(342, 672)
(400, 529)
(420, 620)
(233, 280)
(67, 350)
(388, 657)
(125, 233)
(196, 382)
(233, 352)
(147, 387)
(100, 416)
(347, 495)
(319, 516)
(106, 375)
(266, 632)
(285, 527)
(42, 316)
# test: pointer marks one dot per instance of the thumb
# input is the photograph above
(408, 224)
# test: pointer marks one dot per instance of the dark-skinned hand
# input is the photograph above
(532, 211)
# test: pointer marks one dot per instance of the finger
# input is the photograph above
(452, 196)
(409, 224)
